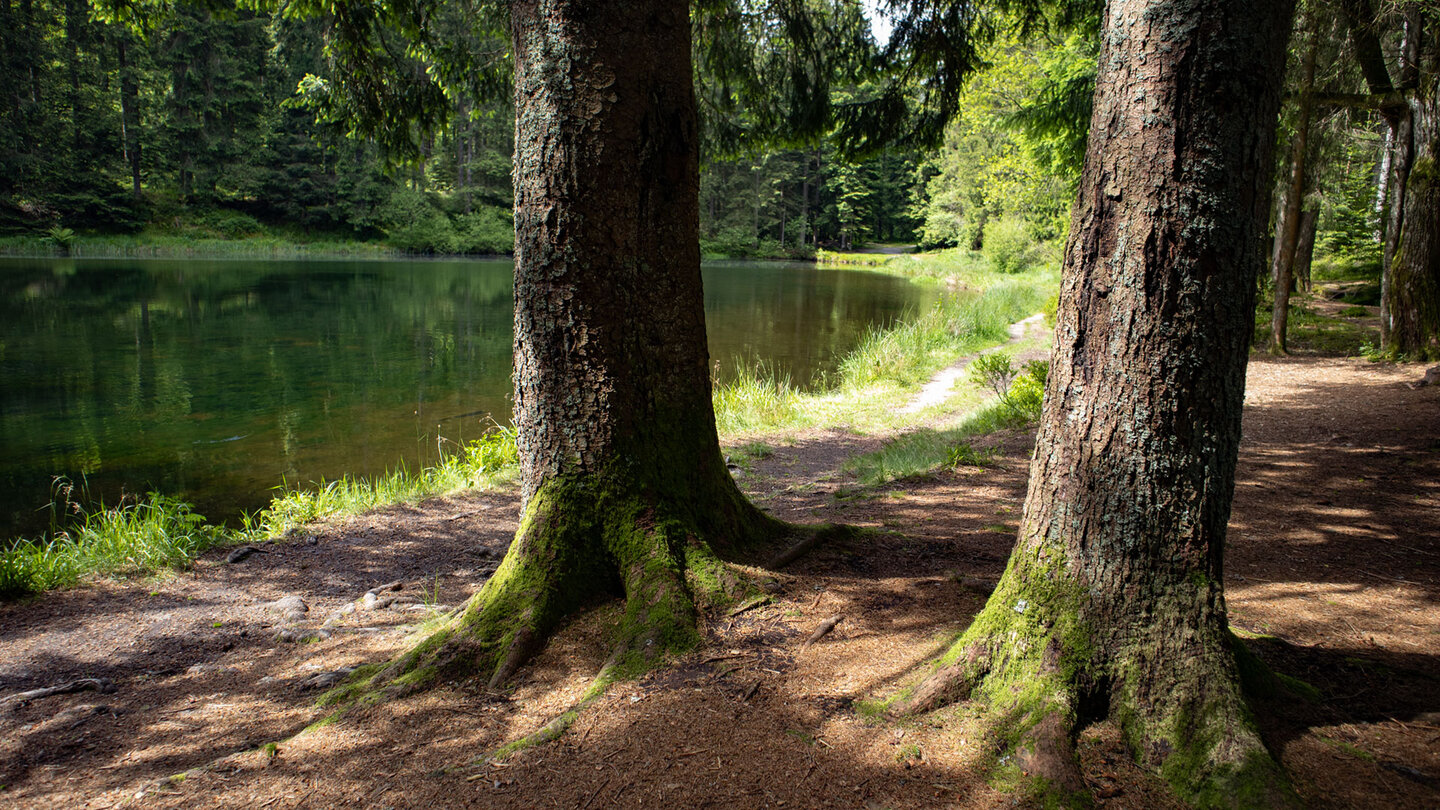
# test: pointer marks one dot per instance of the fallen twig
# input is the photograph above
(823, 630)
(101, 685)
(603, 785)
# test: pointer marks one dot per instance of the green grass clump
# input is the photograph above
(486, 462)
(922, 452)
(137, 538)
(161, 532)
(755, 399)
(912, 351)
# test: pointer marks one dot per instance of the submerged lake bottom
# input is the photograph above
(218, 381)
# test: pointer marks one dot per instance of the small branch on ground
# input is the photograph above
(101, 685)
(823, 630)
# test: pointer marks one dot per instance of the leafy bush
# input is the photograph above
(1027, 393)
(1021, 390)
(729, 243)
(229, 224)
(1009, 246)
(487, 230)
(415, 226)
(1354, 312)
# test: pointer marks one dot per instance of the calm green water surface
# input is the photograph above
(216, 380)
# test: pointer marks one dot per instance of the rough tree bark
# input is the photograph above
(1112, 602)
(1410, 276)
(1411, 298)
(625, 490)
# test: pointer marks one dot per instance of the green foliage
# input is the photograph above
(62, 238)
(998, 165)
(1354, 312)
(754, 398)
(1010, 247)
(229, 224)
(964, 455)
(414, 225)
(135, 538)
(161, 532)
(486, 231)
(1019, 389)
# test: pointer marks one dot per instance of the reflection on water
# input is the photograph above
(216, 380)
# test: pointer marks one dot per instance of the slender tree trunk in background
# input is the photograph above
(1305, 249)
(624, 486)
(1112, 602)
(1400, 159)
(755, 208)
(129, 113)
(805, 201)
(783, 218)
(1288, 230)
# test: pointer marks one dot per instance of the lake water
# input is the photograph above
(216, 380)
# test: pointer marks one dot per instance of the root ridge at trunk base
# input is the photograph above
(1183, 717)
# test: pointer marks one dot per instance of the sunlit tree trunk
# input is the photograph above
(1112, 603)
(625, 490)
(1288, 228)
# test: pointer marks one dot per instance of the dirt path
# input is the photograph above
(1334, 559)
(938, 389)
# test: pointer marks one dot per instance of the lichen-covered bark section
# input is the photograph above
(1413, 294)
(1112, 602)
(610, 353)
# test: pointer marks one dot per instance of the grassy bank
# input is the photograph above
(166, 246)
(879, 376)
(160, 532)
(883, 372)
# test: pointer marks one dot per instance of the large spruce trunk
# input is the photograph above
(1112, 603)
(625, 489)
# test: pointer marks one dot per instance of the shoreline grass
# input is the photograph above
(160, 532)
(168, 246)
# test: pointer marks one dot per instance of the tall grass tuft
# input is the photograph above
(755, 399)
(162, 532)
(136, 538)
(486, 462)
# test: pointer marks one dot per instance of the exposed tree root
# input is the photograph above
(577, 544)
(1044, 675)
(809, 539)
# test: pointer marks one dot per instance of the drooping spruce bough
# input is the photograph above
(1112, 603)
(625, 490)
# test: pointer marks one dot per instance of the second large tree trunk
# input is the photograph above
(1112, 602)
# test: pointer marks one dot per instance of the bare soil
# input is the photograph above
(1334, 561)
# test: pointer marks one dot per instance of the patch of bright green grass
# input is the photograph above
(1309, 332)
(922, 452)
(160, 532)
(886, 368)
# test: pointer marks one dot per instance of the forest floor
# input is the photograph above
(1333, 564)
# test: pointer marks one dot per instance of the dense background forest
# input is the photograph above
(198, 127)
